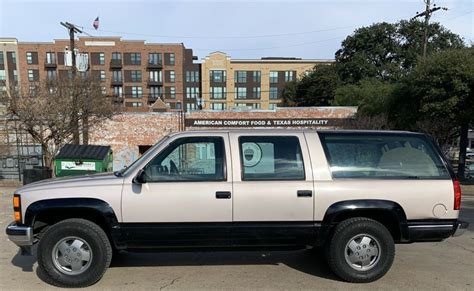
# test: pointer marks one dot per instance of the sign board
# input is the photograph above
(84, 166)
(281, 122)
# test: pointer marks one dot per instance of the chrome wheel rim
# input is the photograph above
(362, 252)
(72, 255)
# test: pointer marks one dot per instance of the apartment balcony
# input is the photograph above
(50, 64)
(152, 82)
(153, 98)
(115, 64)
(116, 82)
(154, 66)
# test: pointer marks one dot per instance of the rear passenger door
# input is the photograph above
(273, 188)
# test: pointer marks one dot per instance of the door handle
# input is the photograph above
(223, 195)
(305, 193)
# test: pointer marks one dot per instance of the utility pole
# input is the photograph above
(427, 14)
(74, 120)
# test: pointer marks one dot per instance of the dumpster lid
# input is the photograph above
(80, 151)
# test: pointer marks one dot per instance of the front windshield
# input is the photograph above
(146, 155)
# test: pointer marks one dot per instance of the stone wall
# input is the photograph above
(127, 131)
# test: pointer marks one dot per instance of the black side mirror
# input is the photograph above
(140, 177)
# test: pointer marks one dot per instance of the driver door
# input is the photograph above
(186, 197)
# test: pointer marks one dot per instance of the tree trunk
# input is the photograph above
(85, 129)
(462, 150)
(48, 158)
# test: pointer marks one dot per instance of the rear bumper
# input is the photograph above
(426, 231)
(20, 235)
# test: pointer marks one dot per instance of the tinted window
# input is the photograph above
(271, 158)
(189, 159)
(390, 156)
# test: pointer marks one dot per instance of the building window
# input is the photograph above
(240, 93)
(156, 76)
(104, 90)
(272, 106)
(172, 92)
(3, 75)
(241, 76)
(2, 61)
(51, 58)
(218, 93)
(116, 56)
(101, 58)
(29, 58)
(256, 76)
(51, 74)
(3, 88)
(135, 59)
(15, 75)
(137, 92)
(155, 59)
(192, 92)
(136, 104)
(218, 106)
(256, 92)
(273, 93)
(288, 76)
(273, 77)
(136, 76)
(190, 106)
(102, 75)
(33, 75)
(192, 76)
(13, 57)
(217, 76)
(171, 59)
(116, 76)
(156, 92)
(117, 91)
(172, 76)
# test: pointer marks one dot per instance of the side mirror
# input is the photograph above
(140, 177)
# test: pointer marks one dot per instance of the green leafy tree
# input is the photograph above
(388, 51)
(314, 89)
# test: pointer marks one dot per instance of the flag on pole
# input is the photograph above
(96, 23)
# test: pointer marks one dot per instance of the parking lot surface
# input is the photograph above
(441, 266)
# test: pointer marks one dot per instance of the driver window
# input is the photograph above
(188, 159)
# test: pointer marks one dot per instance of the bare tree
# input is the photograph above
(47, 111)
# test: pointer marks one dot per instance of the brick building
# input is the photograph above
(250, 83)
(143, 76)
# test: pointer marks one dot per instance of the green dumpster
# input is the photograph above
(82, 159)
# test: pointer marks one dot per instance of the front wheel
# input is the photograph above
(74, 253)
(361, 250)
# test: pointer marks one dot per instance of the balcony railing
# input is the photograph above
(154, 82)
(154, 65)
(50, 63)
(116, 63)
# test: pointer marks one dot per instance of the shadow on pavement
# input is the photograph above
(24, 262)
(306, 261)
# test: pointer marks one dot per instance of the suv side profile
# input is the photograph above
(355, 193)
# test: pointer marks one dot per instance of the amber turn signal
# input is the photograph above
(16, 202)
(17, 216)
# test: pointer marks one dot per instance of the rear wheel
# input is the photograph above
(360, 250)
(74, 253)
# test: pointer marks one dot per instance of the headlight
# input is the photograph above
(17, 207)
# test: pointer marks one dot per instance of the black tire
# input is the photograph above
(344, 233)
(90, 233)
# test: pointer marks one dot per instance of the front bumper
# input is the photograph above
(22, 236)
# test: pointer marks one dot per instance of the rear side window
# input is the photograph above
(271, 158)
(382, 156)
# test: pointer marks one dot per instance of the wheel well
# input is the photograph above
(385, 217)
(49, 217)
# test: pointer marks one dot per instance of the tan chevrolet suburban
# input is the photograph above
(355, 193)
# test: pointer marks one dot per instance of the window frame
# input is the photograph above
(194, 139)
(264, 137)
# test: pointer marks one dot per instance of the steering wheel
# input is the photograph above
(173, 168)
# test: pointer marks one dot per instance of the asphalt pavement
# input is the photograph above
(447, 265)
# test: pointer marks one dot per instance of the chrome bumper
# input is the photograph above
(460, 228)
(22, 236)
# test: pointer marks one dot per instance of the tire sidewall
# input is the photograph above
(98, 247)
(386, 252)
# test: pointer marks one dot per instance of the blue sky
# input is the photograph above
(243, 29)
